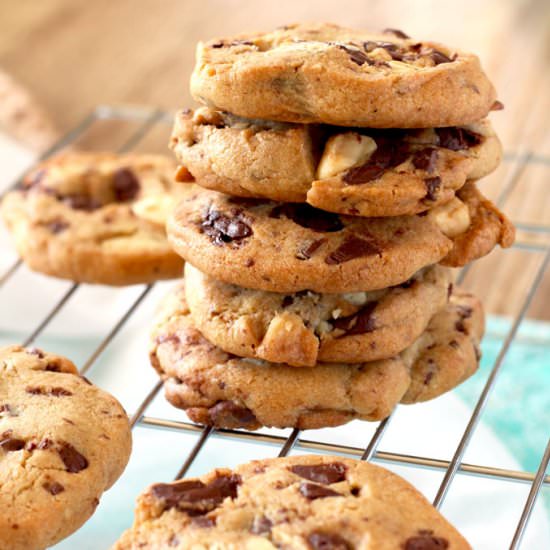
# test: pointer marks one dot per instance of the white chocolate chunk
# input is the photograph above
(344, 151)
(453, 217)
(155, 208)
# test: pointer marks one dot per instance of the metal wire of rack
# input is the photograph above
(146, 118)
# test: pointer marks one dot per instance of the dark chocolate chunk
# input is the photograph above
(54, 488)
(125, 185)
(439, 57)
(389, 153)
(305, 252)
(464, 311)
(432, 186)
(327, 541)
(497, 106)
(36, 351)
(321, 473)
(357, 56)
(11, 444)
(425, 542)
(6, 408)
(396, 32)
(313, 491)
(397, 53)
(195, 497)
(425, 159)
(261, 526)
(352, 247)
(224, 229)
(81, 202)
(361, 322)
(54, 392)
(454, 344)
(231, 413)
(457, 139)
(309, 217)
(287, 301)
(203, 522)
(222, 44)
(460, 326)
(73, 460)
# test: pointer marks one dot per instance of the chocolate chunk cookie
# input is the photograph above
(290, 247)
(220, 389)
(63, 442)
(303, 328)
(96, 218)
(323, 73)
(362, 172)
(302, 502)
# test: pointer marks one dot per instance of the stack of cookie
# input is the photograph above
(336, 176)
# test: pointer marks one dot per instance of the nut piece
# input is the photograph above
(453, 217)
(344, 151)
(154, 209)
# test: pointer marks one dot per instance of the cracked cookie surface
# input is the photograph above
(323, 73)
(290, 247)
(63, 442)
(299, 502)
(360, 172)
(305, 328)
(220, 389)
(96, 218)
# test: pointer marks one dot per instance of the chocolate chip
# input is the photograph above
(327, 541)
(52, 367)
(224, 229)
(57, 226)
(312, 491)
(432, 186)
(73, 460)
(457, 139)
(5, 408)
(227, 412)
(396, 32)
(425, 542)
(222, 44)
(389, 153)
(460, 326)
(249, 262)
(305, 252)
(54, 488)
(42, 445)
(321, 473)
(309, 217)
(439, 57)
(54, 392)
(125, 185)
(287, 301)
(261, 526)
(497, 106)
(361, 322)
(353, 247)
(449, 290)
(394, 50)
(195, 497)
(464, 311)
(425, 159)
(11, 444)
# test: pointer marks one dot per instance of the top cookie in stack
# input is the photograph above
(335, 169)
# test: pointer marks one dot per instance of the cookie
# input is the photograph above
(362, 172)
(96, 218)
(220, 389)
(304, 328)
(290, 247)
(63, 442)
(299, 502)
(323, 73)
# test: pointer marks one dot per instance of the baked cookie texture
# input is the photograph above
(323, 73)
(304, 328)
(97, 218)
(291, 247)
(220, 389)
(355, 171)
(300, 502)
(63, 442)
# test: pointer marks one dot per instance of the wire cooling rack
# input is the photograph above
(107, 127)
